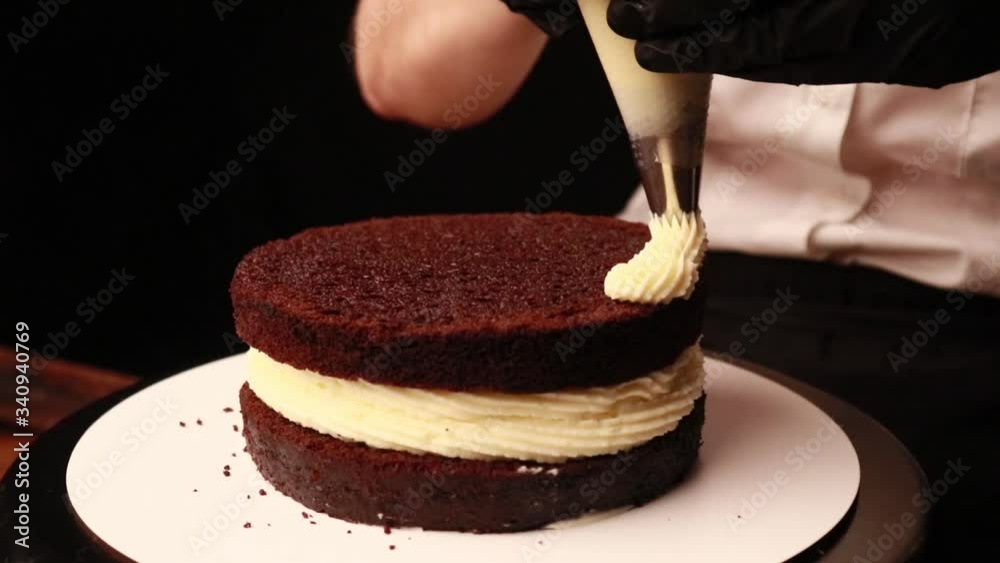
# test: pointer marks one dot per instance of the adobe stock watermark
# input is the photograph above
(225, 515)
(754, 330)
(31, 25)
(898, 17)
(234, 343)
(558, 18)
(684, 55)
(796, 459)
(82, 488)
(121, 107)
(455, 116)
(417, 495)
(375, 22)
(590, 492)
(758, 157)
(946, 139)
(757, 325)
(389, 355)
(87, 310)
(922, 502)
(434, 483)
(956, 299)
(248, 150)
(581, 159)
(225, 7)
(576, 340)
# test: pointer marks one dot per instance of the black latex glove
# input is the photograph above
(914, 42)
(554, 17)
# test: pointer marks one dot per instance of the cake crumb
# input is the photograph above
(387, 530)
(263, 493)
(392, 548)
(196, 490)
(306, 515)
(313, 522)
(247, 525)
(348, 531)
(227, 409)
(235, 428)
(183, 424)
(199, 422)
(234, 454)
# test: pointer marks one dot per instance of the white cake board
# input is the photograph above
(775, 474)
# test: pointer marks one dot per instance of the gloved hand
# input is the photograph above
(554, 17)
(915, 42)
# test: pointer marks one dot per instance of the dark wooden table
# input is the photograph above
(889, 479)
(63, 388)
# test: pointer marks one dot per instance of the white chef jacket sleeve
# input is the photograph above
(898, 178)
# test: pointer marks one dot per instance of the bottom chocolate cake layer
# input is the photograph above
(354, 482)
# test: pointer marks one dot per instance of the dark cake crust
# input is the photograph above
(502, 302)
(354, 482)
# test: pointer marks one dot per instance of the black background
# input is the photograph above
(119, 208)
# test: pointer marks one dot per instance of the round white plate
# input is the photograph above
(775, 474)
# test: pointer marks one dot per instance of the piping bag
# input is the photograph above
(665, 116)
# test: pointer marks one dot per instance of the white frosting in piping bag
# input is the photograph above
(651, 103)
(673, 109)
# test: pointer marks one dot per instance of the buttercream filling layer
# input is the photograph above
(543, 427)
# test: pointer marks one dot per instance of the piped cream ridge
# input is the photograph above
(667, 266)
(543, 427)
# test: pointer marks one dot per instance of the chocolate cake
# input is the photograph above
(465, 372)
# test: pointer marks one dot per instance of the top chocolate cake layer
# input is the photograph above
(505, 302)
